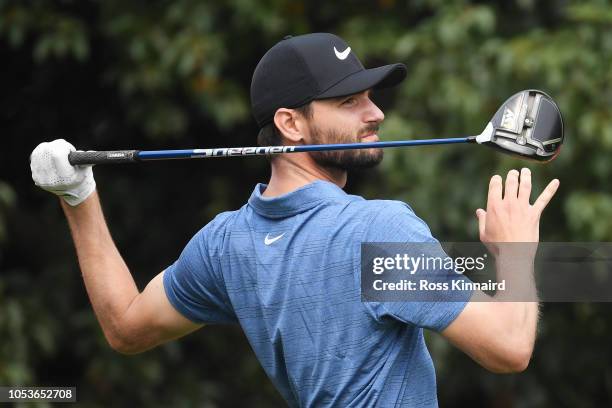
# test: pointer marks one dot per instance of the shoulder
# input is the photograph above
(358, 209)
(204, 246)
(214, 232)
(221, 221)
(391, 220)
(393, 206)
(381, 210)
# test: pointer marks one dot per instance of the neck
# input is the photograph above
(290, 172)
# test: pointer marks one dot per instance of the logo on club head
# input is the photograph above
(508, 119)
(342, 55)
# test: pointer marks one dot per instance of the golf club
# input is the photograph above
(528, 125)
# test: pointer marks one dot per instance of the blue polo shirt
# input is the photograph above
(287, 269)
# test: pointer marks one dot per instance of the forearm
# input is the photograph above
(108, 281)
(499, 332)
(518, 303)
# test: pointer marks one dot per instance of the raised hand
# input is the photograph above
(509, 216)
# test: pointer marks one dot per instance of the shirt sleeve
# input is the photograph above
(193, 283)
(397, 223)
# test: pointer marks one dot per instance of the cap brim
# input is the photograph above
(380, 77)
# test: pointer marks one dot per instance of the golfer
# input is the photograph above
(286, 265)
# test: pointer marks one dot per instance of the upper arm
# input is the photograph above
(398, 225)
(480, 328)
(483, 331)
(151, 320)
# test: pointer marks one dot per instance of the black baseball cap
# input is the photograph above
(313, 66)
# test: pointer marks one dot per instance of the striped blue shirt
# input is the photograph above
(287, 269)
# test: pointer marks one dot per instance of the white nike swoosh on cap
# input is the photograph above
(269, 240)
(342, 55)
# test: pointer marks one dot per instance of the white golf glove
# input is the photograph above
(51, 171)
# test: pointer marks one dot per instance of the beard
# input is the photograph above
(345, 159)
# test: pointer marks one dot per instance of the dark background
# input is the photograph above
(175, 74)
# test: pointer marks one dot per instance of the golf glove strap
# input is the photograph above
(52, 171)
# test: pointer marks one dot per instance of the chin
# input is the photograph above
(367, 159)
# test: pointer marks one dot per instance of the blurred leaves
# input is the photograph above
(7, 201)
(585, 207)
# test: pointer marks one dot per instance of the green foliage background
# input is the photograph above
(175, 74)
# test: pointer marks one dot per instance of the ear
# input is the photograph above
(290, 123)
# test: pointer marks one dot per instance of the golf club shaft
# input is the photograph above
(131, 156)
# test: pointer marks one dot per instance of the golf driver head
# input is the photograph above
(528, 124)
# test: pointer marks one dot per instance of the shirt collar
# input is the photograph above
(295, 202)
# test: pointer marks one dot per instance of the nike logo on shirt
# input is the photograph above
(269, 241)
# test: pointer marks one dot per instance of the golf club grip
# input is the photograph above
(103, 157)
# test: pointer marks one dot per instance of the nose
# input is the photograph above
(373, 113)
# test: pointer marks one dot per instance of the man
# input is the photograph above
(286, 266)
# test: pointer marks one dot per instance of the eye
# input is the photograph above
(349, 101)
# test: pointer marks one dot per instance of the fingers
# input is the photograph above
(546, 196)
(482, 217)
(525, 185)
(59, 150)
(495, 191)
(512, 184)
(50, 166)
(64, 145)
